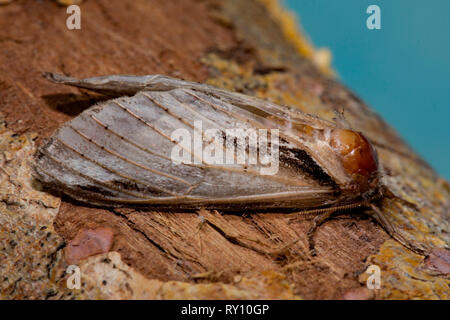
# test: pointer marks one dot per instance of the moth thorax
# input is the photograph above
(358, 158)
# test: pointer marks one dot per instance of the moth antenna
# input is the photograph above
(400, 153)
(390, 195)
(332, 209)
(395, 233)
(340, 119)
(323, 215)
(317, 222)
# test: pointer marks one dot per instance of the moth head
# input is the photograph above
(358, 158)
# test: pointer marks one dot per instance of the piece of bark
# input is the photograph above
(246, 46)
(89, 242)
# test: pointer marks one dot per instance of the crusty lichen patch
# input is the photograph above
(403, 275)
(29, 247)
(17, 187)
(107, 277)
(293, 33)
(277, 86)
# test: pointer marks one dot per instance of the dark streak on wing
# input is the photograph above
(301, 162)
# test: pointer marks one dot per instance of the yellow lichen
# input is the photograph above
(290, 26)
(106, 276)
(403, 275)
(240, 77)
(69, 2)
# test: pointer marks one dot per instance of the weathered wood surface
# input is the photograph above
(247, 46)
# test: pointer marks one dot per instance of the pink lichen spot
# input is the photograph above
(438, 262)
(89, 242)
(361, 293)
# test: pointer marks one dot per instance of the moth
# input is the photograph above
(120, 153)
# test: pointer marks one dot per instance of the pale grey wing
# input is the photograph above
(119, 85)
(260, 113)
(119, 152)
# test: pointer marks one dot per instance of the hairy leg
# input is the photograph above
(317, 221)
(395, 233)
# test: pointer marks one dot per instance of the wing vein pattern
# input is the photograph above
(120, 152)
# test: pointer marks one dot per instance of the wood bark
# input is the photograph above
(245, 46)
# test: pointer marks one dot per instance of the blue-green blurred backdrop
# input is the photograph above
(401, 70)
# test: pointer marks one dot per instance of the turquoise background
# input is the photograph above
(402, 70)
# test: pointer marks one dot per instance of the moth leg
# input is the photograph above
(200, 225)
(235, 238)
(119, 85)
(390, 195)
(394, 233)
(340, 119)
(317, 221)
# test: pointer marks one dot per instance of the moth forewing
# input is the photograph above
(118, 153)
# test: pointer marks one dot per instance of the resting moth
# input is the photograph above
(120, 152)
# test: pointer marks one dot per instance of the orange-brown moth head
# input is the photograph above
(359, 158)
